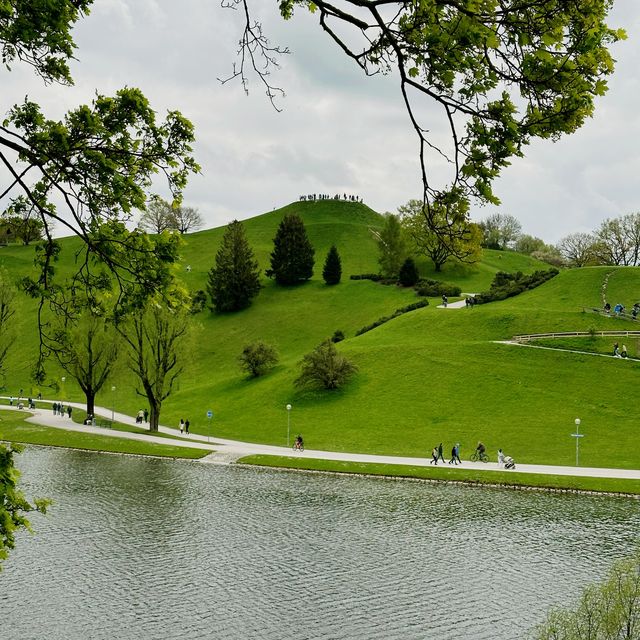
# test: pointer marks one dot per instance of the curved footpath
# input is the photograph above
(228, 451)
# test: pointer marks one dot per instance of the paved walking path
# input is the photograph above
(458, 304)
(228, 451)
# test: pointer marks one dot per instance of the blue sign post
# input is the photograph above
(209, 415)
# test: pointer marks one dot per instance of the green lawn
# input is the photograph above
(449, 474)
(428, 376)
(13, 428)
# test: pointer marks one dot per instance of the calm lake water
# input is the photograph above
(142, 549)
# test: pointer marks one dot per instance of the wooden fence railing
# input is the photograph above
(572, 334)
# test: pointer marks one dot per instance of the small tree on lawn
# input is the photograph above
(257, 358)
(325, 368)
(332, 271)
(409, 273)
(292, 258)
(234, 280)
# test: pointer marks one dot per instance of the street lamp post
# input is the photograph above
(63, 393)
(113, 403)
(577, 435)
(288, 423)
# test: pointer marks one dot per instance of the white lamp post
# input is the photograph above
(113, 403)
(577, 435)
(63, 393)
(288, 423)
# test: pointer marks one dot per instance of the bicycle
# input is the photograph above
(298, 446)
(479, 456)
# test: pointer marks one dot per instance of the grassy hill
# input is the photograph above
(428, 376)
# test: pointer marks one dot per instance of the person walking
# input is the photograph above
(440, 453)
(69, 410)
(181, 426)
(434, 456)
(186, 426)
(145, 415)
(454, 455)
(458, 453)
(444, 300)
(500, 458)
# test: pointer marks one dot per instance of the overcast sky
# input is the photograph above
(338, 131)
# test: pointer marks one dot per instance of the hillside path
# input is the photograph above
(228, 451)
(458, 304)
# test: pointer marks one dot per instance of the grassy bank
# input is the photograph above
(13, 428)
(451, 474)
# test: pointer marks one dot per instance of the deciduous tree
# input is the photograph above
(7, 312)
(88, 171)
(500, 231)
(234, 280)
(257, 358)
(156, 218)
(501, 73)
(618, 241)
(14, 507)
(86, 347)
(392, 246)
(606, 611)
(324, 367)
(462, 244)
(156, 342)
(578, 249)
(185, 219)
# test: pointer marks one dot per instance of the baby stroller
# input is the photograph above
(509, 463)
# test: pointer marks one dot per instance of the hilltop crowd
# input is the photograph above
(324, 196)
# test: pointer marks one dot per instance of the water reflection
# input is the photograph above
(146, 549)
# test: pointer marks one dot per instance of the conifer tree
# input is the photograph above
(234, 280)
(332, 271)
(292, 258)
(409, 273)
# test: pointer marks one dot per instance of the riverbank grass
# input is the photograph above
(451, 474)
(14, 428)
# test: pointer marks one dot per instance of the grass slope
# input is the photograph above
(428, 376)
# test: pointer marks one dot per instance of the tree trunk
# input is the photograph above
(91, 402)
(154, 416)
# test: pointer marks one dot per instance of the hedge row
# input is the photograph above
(506, 285)
(395, 314)
(424, 287)
(436, 288)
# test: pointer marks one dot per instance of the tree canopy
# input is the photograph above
(463, 243)
(500, 72)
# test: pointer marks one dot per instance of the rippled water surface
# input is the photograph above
(151, 549)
